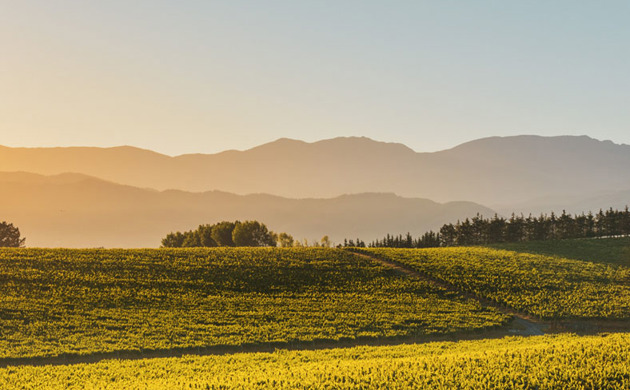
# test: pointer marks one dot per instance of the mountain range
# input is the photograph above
(73, 210)
(499, 172)
(342, 187)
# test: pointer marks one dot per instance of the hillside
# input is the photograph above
(73, 210)
(546, 287)
(93, 313)
(529, 172)
(601, 250)
(88, 302)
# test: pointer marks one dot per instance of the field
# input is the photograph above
(82, 304)
(543, 286)
(600, 250)
(542, 362)
(57, 301)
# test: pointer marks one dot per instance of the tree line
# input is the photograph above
(225, 233)
(481, 231)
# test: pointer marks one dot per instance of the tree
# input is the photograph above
(252, 233)
(515, 228)
(496, 229)
(222, 233)
(10, 236)
(566, 226)
(173, 240)
(479, 230)
(205, 235)
(192, 239)
(590, 225)
(625, 221)
(447, 235)
(285, 240)
(325, 242)
(300, 244)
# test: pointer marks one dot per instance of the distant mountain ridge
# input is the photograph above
(497, 171)
(73, 210)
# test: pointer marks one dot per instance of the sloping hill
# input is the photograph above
(81, 211)
(498, 171)
(613, 250)
(124, 301)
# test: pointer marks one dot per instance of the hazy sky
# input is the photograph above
(204, 76)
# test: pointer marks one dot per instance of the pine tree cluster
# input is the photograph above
(481, 231)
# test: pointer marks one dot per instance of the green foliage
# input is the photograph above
(192, 239)
(58, 301)
(429, 239)
(173, 240)
(544, 362)
(548, 287)
(222, 233)
(518, 228)
(285, 240)
(10, 236)
(248, 233)
(205, 236)
(252, 233)
(601, 250)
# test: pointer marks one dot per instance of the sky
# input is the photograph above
(205, 76)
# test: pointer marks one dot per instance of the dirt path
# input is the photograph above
(526, 327)
(523, 324)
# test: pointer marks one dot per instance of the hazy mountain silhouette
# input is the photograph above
(499, 171)
(73, 210)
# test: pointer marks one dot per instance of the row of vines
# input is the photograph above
(547, 287)
(544, 362)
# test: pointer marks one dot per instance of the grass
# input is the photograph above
(599, 250)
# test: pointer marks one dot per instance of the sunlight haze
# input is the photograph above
(356, 194)
(191, 76)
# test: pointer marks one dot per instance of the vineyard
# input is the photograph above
(58, 301)
(542, 362)
(547, 287)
